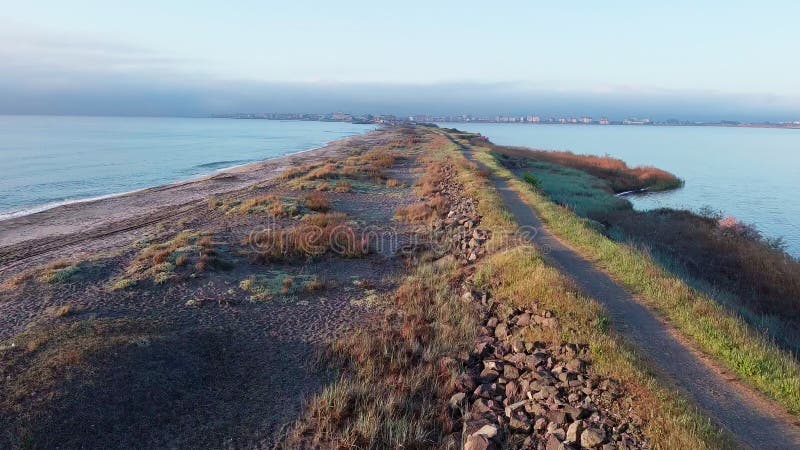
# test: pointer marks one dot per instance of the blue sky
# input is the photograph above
(675, 57)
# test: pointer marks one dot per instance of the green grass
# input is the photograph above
(584, 194)
(715, 330)
(269, 285)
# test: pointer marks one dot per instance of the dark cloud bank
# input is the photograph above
(176, 97)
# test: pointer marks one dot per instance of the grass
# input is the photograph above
(56, 272)
(270, 204)
(140, 381)
(316, 202)
(338, 175)
(397, 375)
(585, 194)
(266, 286)
(620, 177)
(385, 397)
(188, 253)
(518, 275)
(315, 235)
(727, 260)
(718, 332)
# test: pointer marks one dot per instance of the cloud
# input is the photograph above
(54, 73)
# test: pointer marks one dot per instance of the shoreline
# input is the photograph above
(5, 216)
(85, 216)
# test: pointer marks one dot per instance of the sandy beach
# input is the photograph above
(99, 225)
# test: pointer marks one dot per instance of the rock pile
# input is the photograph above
(460, 226)
(530, 395)
(521, 394)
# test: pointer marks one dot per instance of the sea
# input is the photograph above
(46, 161)
(752, 174)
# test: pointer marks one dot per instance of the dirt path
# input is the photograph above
(756, 421)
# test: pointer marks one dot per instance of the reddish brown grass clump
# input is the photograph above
(317, 202)
(316, 235)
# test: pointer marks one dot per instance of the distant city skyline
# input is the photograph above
(731, 60)
(342, 116)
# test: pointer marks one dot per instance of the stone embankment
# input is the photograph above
(515, 393)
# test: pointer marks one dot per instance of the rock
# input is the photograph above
(512, 390)
(549, 322)
(523, 320)
(493, 365)
(488, 375)
(476, 442)
(520, 422)
(492, 322)
(490, 431)
(541, 424)
(552, 444)
(501, 331)
(573, 433)
(465, 383)
(592, 437)
(557, 417)
(576, 365)
(456, 401)
(480, 406)
(512, 407)
(510, 372)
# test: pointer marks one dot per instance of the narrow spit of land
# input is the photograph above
(756, 421)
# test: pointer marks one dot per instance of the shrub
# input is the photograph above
(342, 186)
(532, 180)
(621, 177)
(415, 212)
(317, 202)
(308, 240)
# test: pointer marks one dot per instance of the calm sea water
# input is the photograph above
(752, 174)
(50, 160)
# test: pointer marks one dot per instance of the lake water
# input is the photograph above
(752, 174)
(50, 160)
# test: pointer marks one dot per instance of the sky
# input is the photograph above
(713, 60)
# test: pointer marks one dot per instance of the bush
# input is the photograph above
(532, 180)
(317, 202)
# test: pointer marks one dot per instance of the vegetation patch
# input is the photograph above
(715, 329)
(187, 254)
(620, 177)
(268, 285)
(317, 234)
(316, 202)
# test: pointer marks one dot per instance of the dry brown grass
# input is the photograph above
(316, 235)
(325, 219)
(165, 261)
(60, 311)
(343, 186)
(415, 212)
(296, 171)
(393, 183)
(269, 203)
(387, 399)
(316, 202)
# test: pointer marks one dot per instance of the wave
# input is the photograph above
(223, 164)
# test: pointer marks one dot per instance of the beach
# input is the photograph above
(98, 225)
